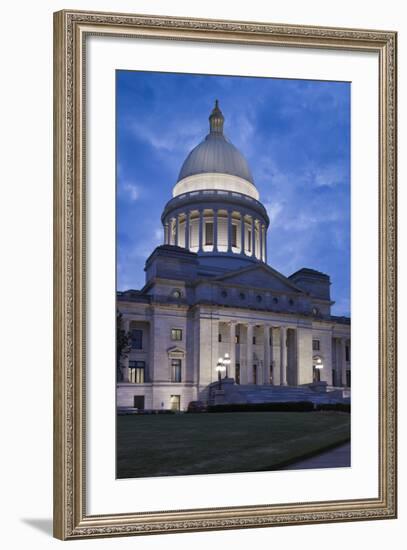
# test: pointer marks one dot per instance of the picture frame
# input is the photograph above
(72, 29)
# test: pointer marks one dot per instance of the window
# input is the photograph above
(316, 374)
(316, 345)
(224, 294)
(209, 233)
(334, 380)
(249, 240)
(176, 293)
(136, 336)
(271, 374)
(237, 373)
(234, 235)
(219, 337)
(137, 372)
(348, 378)
(176, 334)
(254, 374)
(254, 340)
(175, 370)
(237, 339)
(275, 300)
(291, 302)
(259, 298)
(347, 354)
(242, 295)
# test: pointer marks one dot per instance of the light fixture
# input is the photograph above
(226, 362)
(220, 367)
(319, 364)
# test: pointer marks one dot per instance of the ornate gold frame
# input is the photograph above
(70, 518)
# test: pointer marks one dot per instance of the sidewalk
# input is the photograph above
(335, 458)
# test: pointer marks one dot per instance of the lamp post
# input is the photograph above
(220, 367)
(318, 366)
(226, 362)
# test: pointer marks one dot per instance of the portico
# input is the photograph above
(264, 353)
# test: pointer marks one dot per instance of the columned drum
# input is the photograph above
(215, 209)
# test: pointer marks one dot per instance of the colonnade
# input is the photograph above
(217, 230)
(270, 366)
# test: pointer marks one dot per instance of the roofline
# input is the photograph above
(308, 270)
(267, 268)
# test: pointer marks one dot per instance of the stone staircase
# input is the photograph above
(250, 393)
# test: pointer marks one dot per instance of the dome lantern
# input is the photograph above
(216, 120)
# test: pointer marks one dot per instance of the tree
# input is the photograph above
(123, 345)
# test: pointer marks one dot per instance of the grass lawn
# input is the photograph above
(209, 443)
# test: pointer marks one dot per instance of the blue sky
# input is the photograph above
(295, 135)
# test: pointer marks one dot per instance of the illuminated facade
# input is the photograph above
(211, 295)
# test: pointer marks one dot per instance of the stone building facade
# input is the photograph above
(210, 295)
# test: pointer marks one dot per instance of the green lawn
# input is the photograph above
(164, 445)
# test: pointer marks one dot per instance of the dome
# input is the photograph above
(215, 154)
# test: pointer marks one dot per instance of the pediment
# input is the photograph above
(175, 352)
(260, 276)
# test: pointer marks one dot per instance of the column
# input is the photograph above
(283, 356)
(215, 230)
(265, 244)
(242, 233)
(343, 362)
(173, 232)
(263, 247)
(232, 349)
(275, 356)
(166, 239)
(208, 350)
(177, 230)
(125, 361)
(200, 231)
(249, 355)
(253, 238)
(187, 229)
(304, 355)
(229, 231)
(260, 242)
(170, 231)
(267, 357)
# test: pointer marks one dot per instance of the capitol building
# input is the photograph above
(214, 321)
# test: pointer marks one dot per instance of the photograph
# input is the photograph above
(224, 205)
(233, 274)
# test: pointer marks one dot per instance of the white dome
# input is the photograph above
(215, 154)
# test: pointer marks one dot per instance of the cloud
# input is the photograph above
(132, 190)
(166, 138)
(331, 175)
(133, 252)
(243, 131)
(274, 209)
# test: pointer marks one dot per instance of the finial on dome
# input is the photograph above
(216, 119)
